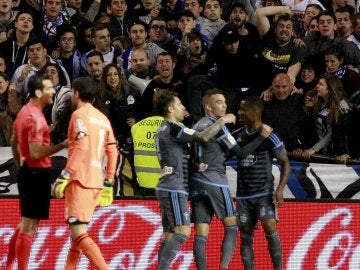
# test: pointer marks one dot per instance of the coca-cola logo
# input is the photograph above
(317, 236)
(333, 251)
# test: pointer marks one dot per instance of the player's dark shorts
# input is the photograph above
(34, 186)
(208, 199)
(249, 211)
(174, 209)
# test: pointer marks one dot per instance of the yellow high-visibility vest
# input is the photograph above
(147, 165)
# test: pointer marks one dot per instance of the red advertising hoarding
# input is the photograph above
(314, 235)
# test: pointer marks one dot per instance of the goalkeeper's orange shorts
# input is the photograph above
(80, 203)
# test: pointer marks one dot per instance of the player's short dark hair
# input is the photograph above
(209, 93)
(162, 99)
(85, 87)
(35, 83)
(254, 102)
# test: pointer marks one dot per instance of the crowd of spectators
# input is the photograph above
(301, 56)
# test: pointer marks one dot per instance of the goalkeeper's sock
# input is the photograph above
(73, 256)
(23, 248)
(11, 252)
(91, 251)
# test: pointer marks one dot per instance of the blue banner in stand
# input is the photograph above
(320, 178)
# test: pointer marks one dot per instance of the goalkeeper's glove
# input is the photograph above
(107, 194)
(61, 183)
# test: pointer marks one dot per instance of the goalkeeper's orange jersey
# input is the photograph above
(90, 137)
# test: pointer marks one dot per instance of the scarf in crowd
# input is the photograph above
(356, 36)
(340, 72)
(49, 29)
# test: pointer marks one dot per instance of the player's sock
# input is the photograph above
(91, 251)
(162, 245)
(228, 245)
(247, 251)
(274, 247)
(11, 255)
(73, 256)
(170, 250)
(200, 252)
(23, 248)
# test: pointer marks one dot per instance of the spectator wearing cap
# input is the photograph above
(137, 32)
(247, 31)
(222, 61)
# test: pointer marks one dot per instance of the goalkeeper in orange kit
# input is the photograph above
(90, 137)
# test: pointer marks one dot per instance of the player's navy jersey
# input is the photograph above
(254, 175)
(210, 157)
(171, 147)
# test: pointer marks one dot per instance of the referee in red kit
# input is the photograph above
(31, 149)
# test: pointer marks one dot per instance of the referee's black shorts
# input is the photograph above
(34, 186)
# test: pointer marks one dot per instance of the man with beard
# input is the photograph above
(165, 65)
(140, 64)
(141, 73)
(280, 54)
(213, 24)
(237, 81)
(137, 33)
(248, 32)
(172, 139)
